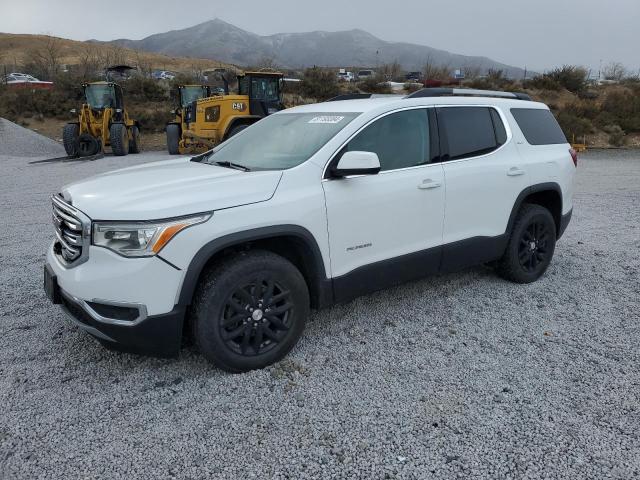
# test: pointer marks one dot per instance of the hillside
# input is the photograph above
(226, 42)
(17, 50)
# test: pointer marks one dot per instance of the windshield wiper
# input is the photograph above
(237, 166)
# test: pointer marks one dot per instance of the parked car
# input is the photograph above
(311, 206)
(365, 74)
(24, 80)
(345, 76)
(414, 76)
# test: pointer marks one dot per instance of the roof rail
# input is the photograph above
(360, 96)
(450, 92)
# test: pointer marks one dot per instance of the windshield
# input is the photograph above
(191, 94)
(100, 96)
(280, 141)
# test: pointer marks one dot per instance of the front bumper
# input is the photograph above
(128, 304)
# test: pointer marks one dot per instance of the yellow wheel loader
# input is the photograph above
(102, 121)
(203, 121)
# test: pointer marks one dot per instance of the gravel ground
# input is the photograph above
(20, 141)
(458, 376)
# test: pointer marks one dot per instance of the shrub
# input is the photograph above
(375, 84)
(319, 84)
(412, 87)
(623, 105)
(570, 77)
(145, 89)
(616, 135)
(582, 108)
(151, 120)
(543, 82)
(573, 125)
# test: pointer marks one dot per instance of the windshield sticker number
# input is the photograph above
(326, 119)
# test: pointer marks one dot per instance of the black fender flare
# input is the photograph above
(207, 251)
(539, 187)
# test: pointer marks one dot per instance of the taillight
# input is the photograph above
(574, 156)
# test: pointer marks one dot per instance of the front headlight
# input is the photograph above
(141, 239)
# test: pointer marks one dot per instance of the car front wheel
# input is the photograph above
(249, 311)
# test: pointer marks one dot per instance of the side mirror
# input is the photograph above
(357, 163)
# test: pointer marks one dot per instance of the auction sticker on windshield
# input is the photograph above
(326, 119)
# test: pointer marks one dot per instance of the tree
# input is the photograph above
(433, 71)
(615, 71)
(391, 71)
(45, 60)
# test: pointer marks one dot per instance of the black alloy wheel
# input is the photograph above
(256, 317)
(531, 245)
(533, 248)
(249, 310)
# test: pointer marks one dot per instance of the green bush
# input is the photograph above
(319, 84)
(543, 82)
(624, 106)
(572, 125)
(570, 77)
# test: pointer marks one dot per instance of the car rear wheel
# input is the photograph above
(249, 311)
(531, 245)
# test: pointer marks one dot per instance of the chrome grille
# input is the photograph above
(71, 228)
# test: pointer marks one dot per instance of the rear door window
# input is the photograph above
(539, 126)
(470, 131)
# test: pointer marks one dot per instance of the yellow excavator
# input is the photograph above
(203, 121)
(102, 121)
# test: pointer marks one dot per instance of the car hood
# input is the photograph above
(168, 188)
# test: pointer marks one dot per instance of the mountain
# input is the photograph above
(217, 39)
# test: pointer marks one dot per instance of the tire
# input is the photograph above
(88, 145)
(236, 130)
(134, 142)
(530, 247)
(119, 139)
(70, 134)
(230, 325)
(173, 138)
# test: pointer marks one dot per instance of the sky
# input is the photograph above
(538, 34)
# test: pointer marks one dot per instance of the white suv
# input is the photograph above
(311, 206)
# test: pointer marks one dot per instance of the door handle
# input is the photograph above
(428, 184)
(515, 171)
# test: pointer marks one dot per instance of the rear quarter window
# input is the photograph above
(539, 126)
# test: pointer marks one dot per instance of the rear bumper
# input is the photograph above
(564, 222)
